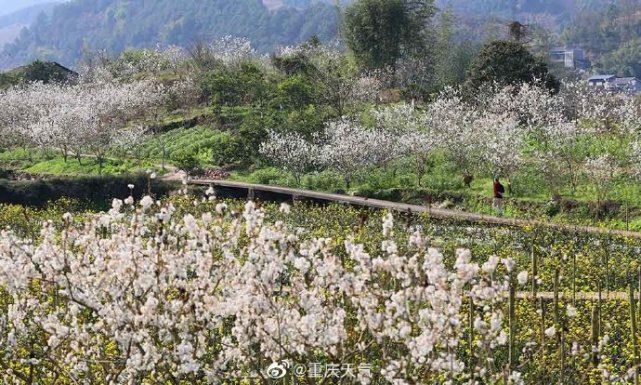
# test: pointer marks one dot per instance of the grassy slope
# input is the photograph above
(50, 163)
(58, 166)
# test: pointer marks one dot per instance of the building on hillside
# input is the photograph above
(570, 58)
(629, 85)
(602, 81)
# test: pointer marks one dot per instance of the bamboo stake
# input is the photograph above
(599, 302)
(534, 270)
(557, 322)
(574, 279)
(639, 278)
(542, 331)
(594, 335)
(471, 329)
(633, 329)
(562, 356)
(512, 324)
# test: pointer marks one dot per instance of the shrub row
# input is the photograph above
(99, 190)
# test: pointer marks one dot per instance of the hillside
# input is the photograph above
(115, 25)
(561, 10)
(9, 33)
(276, 4)
(10, 6)
(11, 24)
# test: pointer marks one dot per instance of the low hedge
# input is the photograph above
(99, 190)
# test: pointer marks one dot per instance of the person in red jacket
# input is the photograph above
(499, 190)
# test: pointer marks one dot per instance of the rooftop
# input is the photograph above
(601, 77)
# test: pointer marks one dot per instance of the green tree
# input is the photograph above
(453, 58)
(625, 61)
(507, 63)
(7, 80)
(230, 87)
(380, 32)
(296, 92)
(46, 72)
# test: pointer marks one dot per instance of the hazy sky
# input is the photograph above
(9, 6)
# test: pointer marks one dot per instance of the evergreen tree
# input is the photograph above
(380, 32)
(508, 63)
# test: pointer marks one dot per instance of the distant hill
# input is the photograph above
(11, 24)
(563, 10)
(11, 6)
(276, 4)
(9, 33)
(115, 25)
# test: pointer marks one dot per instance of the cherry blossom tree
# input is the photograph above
(76, 118)
(409, 131)
(451, 121)
(292, 153)
(601, 171)
(17, 118)
(503, 141)
(228, 50)
(349, 148)
(147, 293)
(603, 111)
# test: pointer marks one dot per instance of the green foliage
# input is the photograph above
(204, 144)
(508, 63)
(324, 181)
(293, 64)
(27, 221)
(226, 149)
(185, 160)
(48, 165)
(603, 30)
(625, 61)
(453, 56)
(8, 79)
(296, 92)
(38, 71)
(115, 25)
(46, 72)
(308, 120)
(230, 86)
(251, 132)
(562, 11)
(269, 176)
(380, 32)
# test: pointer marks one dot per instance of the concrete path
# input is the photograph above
(295, 193)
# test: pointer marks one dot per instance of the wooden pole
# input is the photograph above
(594, 335)
(512, 324)
(633, 330)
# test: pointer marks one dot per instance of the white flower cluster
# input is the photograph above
(143, 294)
(348, 147)
(498, 131)
(76, 118)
